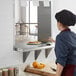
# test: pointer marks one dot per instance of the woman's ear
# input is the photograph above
(59, 25)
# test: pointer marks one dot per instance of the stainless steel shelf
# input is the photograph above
(26, 49)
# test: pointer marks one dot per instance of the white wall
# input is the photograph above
(59, 5)
(7, 56)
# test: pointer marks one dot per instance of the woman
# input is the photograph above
(65, 48)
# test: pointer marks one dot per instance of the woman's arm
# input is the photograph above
(61, 51)
(51, 39)
(59, 69)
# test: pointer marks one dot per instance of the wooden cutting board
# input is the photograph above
(47, 71)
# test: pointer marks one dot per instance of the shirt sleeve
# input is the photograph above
(61, 51)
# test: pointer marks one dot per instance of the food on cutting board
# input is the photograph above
(38, 65)
(34, 43)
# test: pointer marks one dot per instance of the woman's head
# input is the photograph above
(65, 18)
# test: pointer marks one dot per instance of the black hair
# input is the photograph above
(66, 17)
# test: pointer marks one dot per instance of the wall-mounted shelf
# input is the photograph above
(26, 49)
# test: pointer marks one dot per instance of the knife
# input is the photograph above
(53, 69)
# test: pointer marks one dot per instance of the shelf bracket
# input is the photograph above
(37, 53)
(47, 52)
(25, 55)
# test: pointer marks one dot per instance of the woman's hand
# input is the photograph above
(59, 69)
(51, 39)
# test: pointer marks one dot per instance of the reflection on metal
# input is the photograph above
(46, 3)
(17, 29)
(21, 29)
(17, 11)
(15, 49)
(24, 3)
(25, 55)
(23, 14)
(37, 53)
(47, 52)
(35, 2)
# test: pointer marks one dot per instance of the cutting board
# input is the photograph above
(47, 71)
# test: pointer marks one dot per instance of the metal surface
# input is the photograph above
(25, 55)
(21, 46)
(37, 53)
(44, 22)
(47, 52)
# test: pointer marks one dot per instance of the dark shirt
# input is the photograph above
(65, 48)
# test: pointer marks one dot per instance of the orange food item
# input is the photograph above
(38, 65)
(42, 64)
(35, 64)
